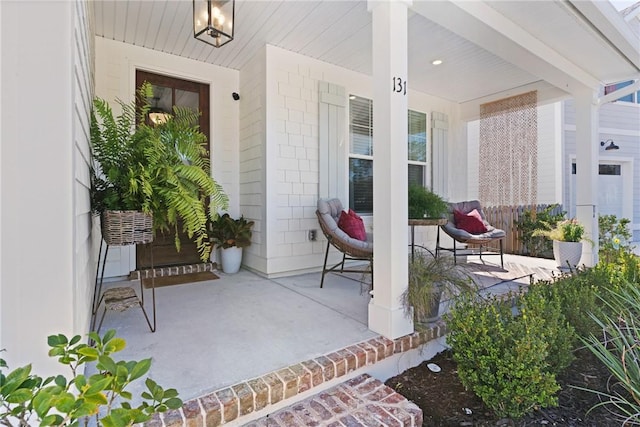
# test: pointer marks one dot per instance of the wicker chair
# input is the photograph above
(352, 249)
(462, 236)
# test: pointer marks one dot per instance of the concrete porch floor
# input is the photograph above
(217, 333)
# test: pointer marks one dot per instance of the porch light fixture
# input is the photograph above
(611, 146)
(156, 114)
(213, 21)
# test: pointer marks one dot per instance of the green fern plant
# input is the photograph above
(161, 169)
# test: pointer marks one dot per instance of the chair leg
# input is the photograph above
(438, 243)
(501, 258)
(455, 253)
(324, 267)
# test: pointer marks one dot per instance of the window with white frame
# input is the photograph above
(632, 97)
(361, 152)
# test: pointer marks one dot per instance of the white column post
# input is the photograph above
(390, 212)
(587, 153)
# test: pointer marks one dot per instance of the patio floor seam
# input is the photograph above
(317, 302)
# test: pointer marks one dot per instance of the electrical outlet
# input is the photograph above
(313, 235)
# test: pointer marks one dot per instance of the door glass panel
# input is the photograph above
(187, 99)
(161, 104)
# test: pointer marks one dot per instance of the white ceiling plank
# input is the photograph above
(342, 31)
(146, 8)
(181, 29)
(288, 16)
(155, 21)
(319, 22)
(99, 18)
(108, 19)
(249, 21)
(133, 11)
(120, 20)
(239, 57)
(167, 23)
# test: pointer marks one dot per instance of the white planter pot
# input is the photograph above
(567, 253)
(231, 258)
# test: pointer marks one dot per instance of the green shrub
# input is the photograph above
(614, 236)
(619, 351)
(531, 221)
(507, 359)
(26, 398)
(577, 296)
(559, 333)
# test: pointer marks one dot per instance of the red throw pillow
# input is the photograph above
(351, 223)
(471, 222)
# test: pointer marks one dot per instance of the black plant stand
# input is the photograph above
(120, 298)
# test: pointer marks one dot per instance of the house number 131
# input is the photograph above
(399, 85)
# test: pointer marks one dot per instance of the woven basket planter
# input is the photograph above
(126, 227)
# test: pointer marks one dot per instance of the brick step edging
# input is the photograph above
(230, 403)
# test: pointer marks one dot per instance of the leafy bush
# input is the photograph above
(533, 220)
(577, 295)
(26, 398)
(614, 237)
(619, 351)
(506, 358)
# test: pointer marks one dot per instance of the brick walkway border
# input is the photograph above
(360, 402)
(230, 403)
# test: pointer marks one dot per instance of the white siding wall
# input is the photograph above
(45, 276)
(116, 64)
(291, 149)
(253, 128)
(549, 149)
(84, 243)
(619, 121)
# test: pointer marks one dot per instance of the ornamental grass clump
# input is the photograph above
(618, 348)
(510, 356)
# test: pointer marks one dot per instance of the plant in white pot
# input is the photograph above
(231, 235)
(567, 237)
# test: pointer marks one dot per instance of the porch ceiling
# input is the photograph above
(488, 48)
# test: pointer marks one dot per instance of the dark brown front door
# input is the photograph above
(167, 92)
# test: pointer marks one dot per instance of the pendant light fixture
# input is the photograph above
(213, 21)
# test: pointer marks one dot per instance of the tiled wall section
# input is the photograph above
(296, 136)
(228, 404)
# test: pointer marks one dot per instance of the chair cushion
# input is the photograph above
(470, 222)
(329, 214)
(351, 223)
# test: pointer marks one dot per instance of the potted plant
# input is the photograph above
(431, 279)
(425, 204)
(152, 169)
(567, 236)
(231, 235)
